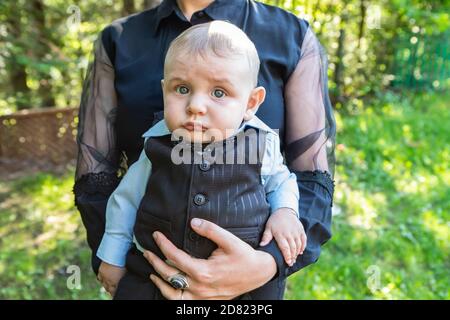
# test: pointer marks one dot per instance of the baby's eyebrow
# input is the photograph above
(212, 78)
(222, 80)
(177, 79)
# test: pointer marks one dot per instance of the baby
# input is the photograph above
(210, 158)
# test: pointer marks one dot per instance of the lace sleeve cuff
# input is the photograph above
(96, 183)
(321, 177)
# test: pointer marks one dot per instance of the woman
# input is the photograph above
(122, 97)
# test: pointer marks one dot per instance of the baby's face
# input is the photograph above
(206, 98)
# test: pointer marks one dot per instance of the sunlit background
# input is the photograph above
(388, 78)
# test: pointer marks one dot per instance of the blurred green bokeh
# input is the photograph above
(390, 230)
(45, 46)
(391, 225)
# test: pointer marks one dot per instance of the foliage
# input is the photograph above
(391, 215)
(392, 205)
(41, 235)
(44, 49)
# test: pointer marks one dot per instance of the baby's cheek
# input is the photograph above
(173, 118)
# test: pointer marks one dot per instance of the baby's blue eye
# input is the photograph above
(182, 90)
(218, 93)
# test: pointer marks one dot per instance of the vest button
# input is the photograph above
(200, 14)
(199, 199)
(205, 166)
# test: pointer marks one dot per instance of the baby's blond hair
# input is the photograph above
(223, 39)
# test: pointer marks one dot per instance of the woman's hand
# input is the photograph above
(232, 269)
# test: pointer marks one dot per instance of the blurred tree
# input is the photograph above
(148, 4)
(128, 7)
(42, 53)
(43, 57)
(14, 58)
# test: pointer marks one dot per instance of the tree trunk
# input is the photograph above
(149, 4)
(18, 78)
(339, 70)
(128, 7)
(16, 69)
(41, 50)
(362, 22)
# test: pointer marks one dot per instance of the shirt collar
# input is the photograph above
(160, 128)
(225, 10)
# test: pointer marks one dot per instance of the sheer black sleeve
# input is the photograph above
(310, 140)
(98, 158)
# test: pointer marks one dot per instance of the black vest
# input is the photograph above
(207, 187)
(230, 195)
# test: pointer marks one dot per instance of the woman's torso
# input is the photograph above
(137, 45)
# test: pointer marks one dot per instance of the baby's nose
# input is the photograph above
(197, 105)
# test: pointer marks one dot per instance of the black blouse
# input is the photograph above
(122, 98)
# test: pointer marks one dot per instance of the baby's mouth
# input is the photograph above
(194, 126)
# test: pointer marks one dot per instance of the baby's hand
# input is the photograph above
(109, 276)
(286, 228)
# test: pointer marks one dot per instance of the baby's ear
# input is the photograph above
(256, 98)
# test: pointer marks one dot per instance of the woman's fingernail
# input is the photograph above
(155, 235)
(151, 277)
(196, 222)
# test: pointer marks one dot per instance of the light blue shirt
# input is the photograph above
(279, 184)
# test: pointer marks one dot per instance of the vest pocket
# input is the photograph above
(250, 235)
(144, 227)
(155, 223)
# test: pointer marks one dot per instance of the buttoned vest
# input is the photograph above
(220, 183)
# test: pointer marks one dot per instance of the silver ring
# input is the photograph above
(179, 281)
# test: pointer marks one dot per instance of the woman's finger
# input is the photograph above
(167, 290)
(178, 258)
(163, 269)
(224, 239)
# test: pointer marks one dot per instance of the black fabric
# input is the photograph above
(135, 285)
(230, 195)
(136, 47)
(316, 193)
(93, 191)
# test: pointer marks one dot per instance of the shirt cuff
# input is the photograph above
(113, 250)
(286, 201)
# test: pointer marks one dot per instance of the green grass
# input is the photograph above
(41, 235)
(390, 232)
